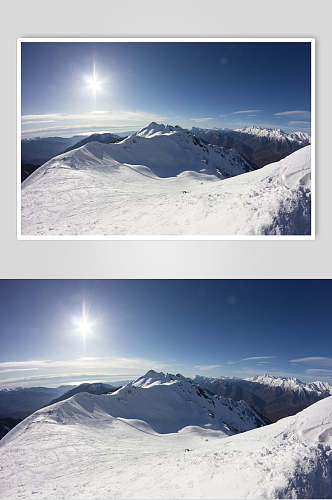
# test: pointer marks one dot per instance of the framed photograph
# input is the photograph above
(165, 389)
(146, 138)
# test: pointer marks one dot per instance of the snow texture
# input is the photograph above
(276, 134)
(164, 181)
(131, 444)
(292, 384)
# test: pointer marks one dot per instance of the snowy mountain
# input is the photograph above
(19, 402)
(132, 444)
(293, 384)
(276, 134)
(93, 388)
(273, 397)
(260, 146)
(171, 150)
(41, 149)
(165, 181)
(105, 138)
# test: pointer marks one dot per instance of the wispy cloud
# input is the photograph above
(29, 363)
(84, 363)
(250, 358)
(65, 378)
(88, 120)
(300, 113)
(313, 359)
(12, 370)
(255, 358)
(207, 367)
(319, 372)
(128, 116)
(299, 122)
(204, 119)
(245, 111)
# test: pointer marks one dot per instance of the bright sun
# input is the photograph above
(83, 325)
(94, 84)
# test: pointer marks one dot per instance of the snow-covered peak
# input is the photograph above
(150, 378)
(165, 150)
(159, 128)
(291, 384)
(276, 134)
(165, 403)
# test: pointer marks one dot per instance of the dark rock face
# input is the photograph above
(6, 425)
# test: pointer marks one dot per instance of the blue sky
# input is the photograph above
(191, 84)
(206, 327)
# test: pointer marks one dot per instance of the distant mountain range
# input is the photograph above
(37, 151)
(22, 401)
(273, 397)
(105, 138)
(260, 146)
(95, 388)
(18, 403)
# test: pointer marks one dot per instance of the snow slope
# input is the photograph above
(77, 449)
(94, 190)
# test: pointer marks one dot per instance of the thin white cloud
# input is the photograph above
(33, 122)
(255, 358)
(313, 359)
(207, 367)
(245, 111)
(75, 122)
(250, 358)
(80, 367)
(208, 118)
(319, 372)
(300, 113)
(18, 364)
(11, 370)
(299, 122)
(65, 378)
(119, 116)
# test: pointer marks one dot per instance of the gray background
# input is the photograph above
(165, 259)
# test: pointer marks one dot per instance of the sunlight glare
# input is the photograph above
(84, 326)
(94, 84)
